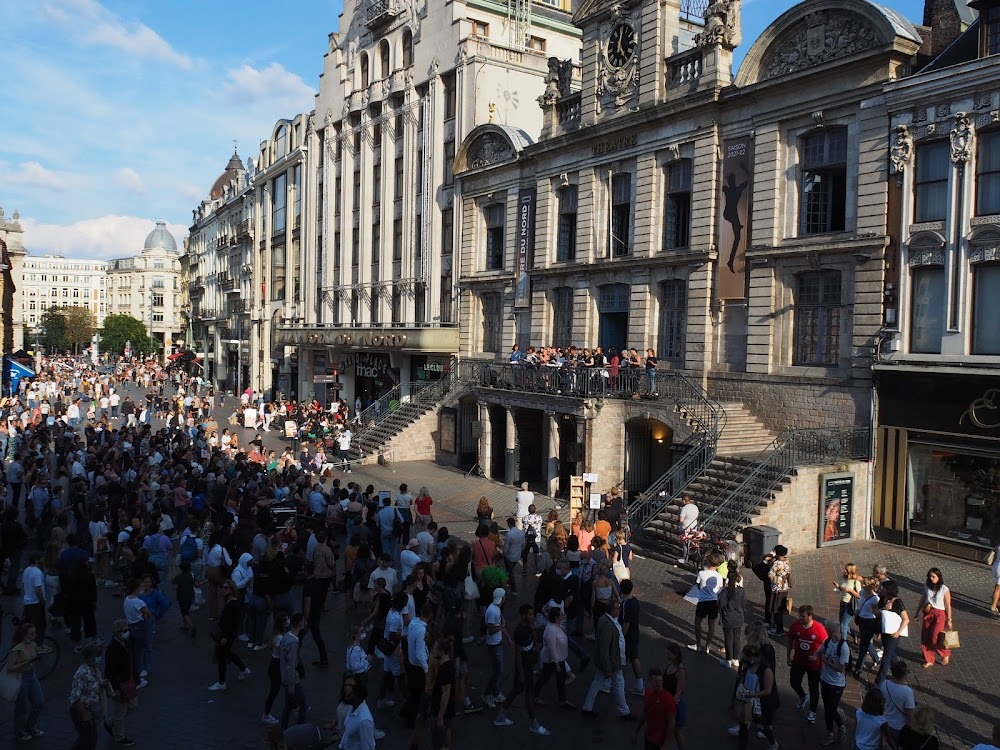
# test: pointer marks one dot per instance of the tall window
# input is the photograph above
(278, 271)
(364, 71)
(281, 142)
(354, 306)
(446, 298)
(450, 102)
(927, 307)
(621, 215)
(383, 55)
(823, 154)
(295, 264)
(447, 231)
(338, 194)
(397, 239)
(407, 48)
(494, 218)
(986, 309)
(931, 190)
(566, 230)
(377, 184)
(355, 246)
(562, 316)
(280, 195)
(376, 249)
(673, 319)
(396, 304)
(991, 29)
(449, 163)
(297, 186)
(356, 189)
(397, 183)
(492, 320)
(988, 172)
(817, 319)
(677, 206)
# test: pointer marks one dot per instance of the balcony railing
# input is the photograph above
(380, 12)
(684, 69)
(568, 111)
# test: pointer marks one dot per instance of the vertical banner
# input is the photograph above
(734, 228)
(525, 246)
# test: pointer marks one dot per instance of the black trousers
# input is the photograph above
(224, 655)
(86, 733)
(317, 596)
(812, 675)
(78, 616)
(548, 669)
(831, 701)
(35, 614)
(415, 679)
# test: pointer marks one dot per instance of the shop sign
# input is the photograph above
(372, 340)
(433, 367)
(836, 505)
(366, 365)
(947, 403)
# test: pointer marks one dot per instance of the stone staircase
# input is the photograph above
(660, 540)
(743, 434)
(737, 454)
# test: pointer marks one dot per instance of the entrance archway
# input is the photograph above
(647, 452)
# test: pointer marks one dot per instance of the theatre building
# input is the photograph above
(938, 443)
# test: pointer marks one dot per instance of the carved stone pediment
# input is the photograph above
(819, 38)
(489, 149)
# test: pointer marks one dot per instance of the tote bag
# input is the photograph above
(10, 684)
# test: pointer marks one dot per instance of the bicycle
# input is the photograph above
(48, 648)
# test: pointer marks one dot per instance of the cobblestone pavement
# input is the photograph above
(177, 711)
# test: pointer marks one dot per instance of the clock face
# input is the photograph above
(621, 45)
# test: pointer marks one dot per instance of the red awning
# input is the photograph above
(175, 356)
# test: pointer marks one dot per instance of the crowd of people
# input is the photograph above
(182, 515)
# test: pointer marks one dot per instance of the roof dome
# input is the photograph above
(233, 170)
(160, 239)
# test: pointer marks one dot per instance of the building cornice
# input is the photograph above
(950, 83)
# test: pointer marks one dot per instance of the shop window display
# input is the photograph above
(954, 494)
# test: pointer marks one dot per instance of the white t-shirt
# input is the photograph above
(427, 546)
(408, 560)
(133, 609)
(898, 698)
(33, 578)
(839, 653)
(217, 556)
(493, 617)
(689, 516)
(390, 576)
(709, 585)
(936, 598)
(98, 529)
(344, 440)
(393, 623)
(524, 499)
(868, 735)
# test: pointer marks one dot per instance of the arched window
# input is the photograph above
(364, 71)
(383, 54)
(407, 48)
(281, 142)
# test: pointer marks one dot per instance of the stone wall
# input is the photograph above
(796, 510)
(788, 403)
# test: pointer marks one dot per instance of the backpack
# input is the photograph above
(397, 524)
(189, 548)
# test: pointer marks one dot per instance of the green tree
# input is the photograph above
(79, 326)
(119, 329)
(53, 325)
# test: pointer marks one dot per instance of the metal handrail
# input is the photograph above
(796, 448)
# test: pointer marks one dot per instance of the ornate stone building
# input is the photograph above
(736, 225)
(13, 252)
(939, 437)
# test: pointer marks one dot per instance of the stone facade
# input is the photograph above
(55, 281)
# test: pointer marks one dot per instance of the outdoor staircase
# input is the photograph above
(396, 410)
(743, 434)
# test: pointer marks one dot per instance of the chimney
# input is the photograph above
(945, 24)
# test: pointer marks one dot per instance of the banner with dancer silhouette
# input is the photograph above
(734, 228)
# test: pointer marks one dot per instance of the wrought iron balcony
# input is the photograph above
(381, 12)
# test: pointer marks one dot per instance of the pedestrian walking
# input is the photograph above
(868, 621)
(935, 617)
(835, 655)
(225, 637)
(292, 672)
(687, 525)
(732, 604)
(30, 700)
(755, 697)
(659, 713)
(86, 698)
(553, 656)
(609, 658)
(707, 587)
(871, 731)
(675, 682)
(119, 673)
(899, 699)
(849, 588)
(895, 625)
(780, 577)
(805, 638)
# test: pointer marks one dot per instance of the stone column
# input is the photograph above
(581, 439)
(510, 455)
(552, 462)
(485, 441)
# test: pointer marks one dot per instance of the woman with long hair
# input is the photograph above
(935, 612)
(274, 668)
(21, 661)
(849, 588)
(919, 733)
(756, 693)
(867, 620)
(484, 511)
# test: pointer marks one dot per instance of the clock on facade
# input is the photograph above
(621, 45)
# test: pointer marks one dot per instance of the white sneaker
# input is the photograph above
(694, 647)
(144, 683)
(268, 719)
(773, 746)
(143, 673)
(244, 674)
(243, 637)
(734, 663)
(109, 584)
(379, 734)
(539, 730)
(801, 702)
(734, 730)
(503, 722)
(218, 686)
(570, 677)
(259, 647)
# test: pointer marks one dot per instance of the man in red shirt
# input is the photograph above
(805, 638)
(659, 713)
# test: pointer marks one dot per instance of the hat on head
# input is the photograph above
(498, 595)
(412, 544)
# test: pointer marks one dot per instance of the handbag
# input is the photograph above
(789, 604)
(949, 639)
(470, 585)
(10, 684)
(620, 571)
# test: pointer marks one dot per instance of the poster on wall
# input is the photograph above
(449, 418)
(734, 228)
(836, 504)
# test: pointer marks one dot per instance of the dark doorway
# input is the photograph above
(498, 442)
(647, 452)
(531, 452)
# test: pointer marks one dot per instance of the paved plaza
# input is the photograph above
(177, 711)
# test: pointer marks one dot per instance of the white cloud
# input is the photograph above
(31, 174)
(96, 25)
(109, 236)
(129, 179)
(273, 85)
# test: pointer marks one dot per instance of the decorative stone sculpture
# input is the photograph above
(722, 25)
(901, 151)
(489, 149)
(961, 139)
(819, 38)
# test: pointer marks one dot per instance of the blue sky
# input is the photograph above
(117, 113)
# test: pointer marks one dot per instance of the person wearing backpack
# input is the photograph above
(835, 655)
(755, 696)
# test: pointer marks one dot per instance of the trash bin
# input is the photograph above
(758, 541)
